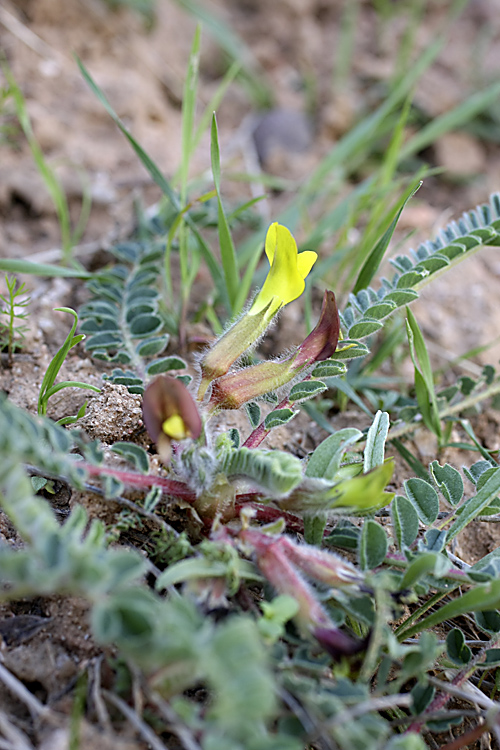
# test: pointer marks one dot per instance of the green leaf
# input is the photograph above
(105, 340)
(202, 567)
(422, 696)
(435, 540)
(47, 388)
(473, 507)
(345, 537)
(135, 454)
(364, 328)
(325, 461)
(274, 471)
(165, 365)
(375, 441)
(278, 417)
(410, 741)
(484, 597)
(401, 297)
(424, 379)
(306, 390)
(145, 325)
(424, 499)
(492, 659)
(349, 349)
(489, 622)
(13, 265)
(448, 481)
(329, 368)
(373, 261)
(457, 650)
(314, 528)
(404, 521)
(381, 310)
(423, 565)
(253, 413)
(372, 545)
(152, 346)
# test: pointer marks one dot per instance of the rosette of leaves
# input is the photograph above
(123, 321)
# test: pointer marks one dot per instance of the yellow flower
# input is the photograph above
(284, 283)
(285, 280)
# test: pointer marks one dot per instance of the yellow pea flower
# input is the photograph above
(289, 268)
(284, 283)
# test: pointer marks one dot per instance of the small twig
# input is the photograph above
(466, 695)
(175, 725)
(29, 38)
(457, 713)
(311, 725)
(100, 706)
(145, 731)
(17, 740)
(466, 403)
(21, 692)
(375, 704)
(466, 740)
(261, 432)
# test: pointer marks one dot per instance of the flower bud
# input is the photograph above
(235, 389)
(169, 413)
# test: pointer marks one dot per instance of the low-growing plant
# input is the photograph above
(12, 326)
(339, 647)
(303, 594)
(49, 387)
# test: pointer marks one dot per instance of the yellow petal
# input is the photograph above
(175, 428)
(271, 241)
(305, 261)
(285, 280)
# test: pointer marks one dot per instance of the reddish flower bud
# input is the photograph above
(237, 388)
(322, 341)
(169, 413)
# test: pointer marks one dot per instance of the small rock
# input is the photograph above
(281, 130)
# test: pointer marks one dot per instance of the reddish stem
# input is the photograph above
(466, 740)
(260, 433)
(169, 486)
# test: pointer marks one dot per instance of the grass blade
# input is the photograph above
(424, 379)
(162, 183)
(227, 251)
(16, 265)
(374, 260)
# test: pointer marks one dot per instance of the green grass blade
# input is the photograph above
(235, 47)
(373, 261)
(57, 361)
(48, 175)
(188, 111)
(364, 133)
(214, 103)
(162, 183)
(424, 378)
(227, 251)
(16, 265)
(480, 599)
(452, 120)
